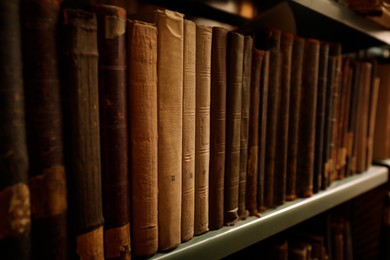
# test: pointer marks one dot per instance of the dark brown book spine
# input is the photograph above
(307, 122)
(113, 130)
(235, 47)
(374, 89)
(217, 127)
(293, 126)
(253, 137)
(286, 44)
(246, 88)
(15, 221)
(82, 143)
(44, 130)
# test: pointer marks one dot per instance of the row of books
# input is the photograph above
(139, 131)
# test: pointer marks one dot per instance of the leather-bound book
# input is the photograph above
(143, 160)
(372, 120)
(286, 45)
(14, 190)
(245, 104)
(254, 134)
(114, 130)
(320, 116)
(189, 105)
(235, 51)
(202, 130)
(307, 122)
(44, 129)
(217, 127)
(294, 111)
(82, 133)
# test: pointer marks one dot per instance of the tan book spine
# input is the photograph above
(372, 120)
(142, 96)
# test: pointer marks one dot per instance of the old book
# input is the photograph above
(286, 45)
(202, 130)
(44, 129)
(114, 130)
(245, 104)
(320, 116)
(254, 133)
(189, 105)
(217, 127)
(307, 122)
(82, 133)
(15, 221)
(294, 111)
(235, 51)
(142, 104)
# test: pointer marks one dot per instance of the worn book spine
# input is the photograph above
(320, 116)
(114, 130)
(202, 130)
(44, 129)
(217, 127)
(80, 84)
(286, 45)
(189, 105)
(253, 137)
(235, 48)
(14, 190)
(245, 104)
(294, 110)
(143, 160)
(307, 122)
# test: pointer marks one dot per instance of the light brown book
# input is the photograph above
(371, 121)
(189, 104)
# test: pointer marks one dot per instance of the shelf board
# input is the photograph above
(227, 240)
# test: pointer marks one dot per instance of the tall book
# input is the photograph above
(235, 57)
(189, 109)
(286, 45)
(44, 129)
(253, 137)
(202, 130)
(307, 121)
(170, 27)
(217, 127)
(114, 130)
(82, 133)
(143, 159)
(294, 111)
(14, 190)
(245, 104)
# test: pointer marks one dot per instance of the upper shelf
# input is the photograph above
(227, 240)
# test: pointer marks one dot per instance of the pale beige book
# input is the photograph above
(202, 140)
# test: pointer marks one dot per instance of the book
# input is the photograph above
(235, 57)
(217, 127)
(143, 149)
(202, 130)
(245, 105)
(82, 133)
(44, 126)
(294, 110)
(14, 190)
(189, 106)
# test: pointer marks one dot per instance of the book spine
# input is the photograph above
(142, 103)
(202, 139)
(235, 47)
(44, 129)
(217, 127)
(80, 68)
(307, 122)
(14, 190)
(294, 110)
(245, 104)
(113, 130)
(189, 106)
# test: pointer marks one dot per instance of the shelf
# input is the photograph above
(227, 240)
